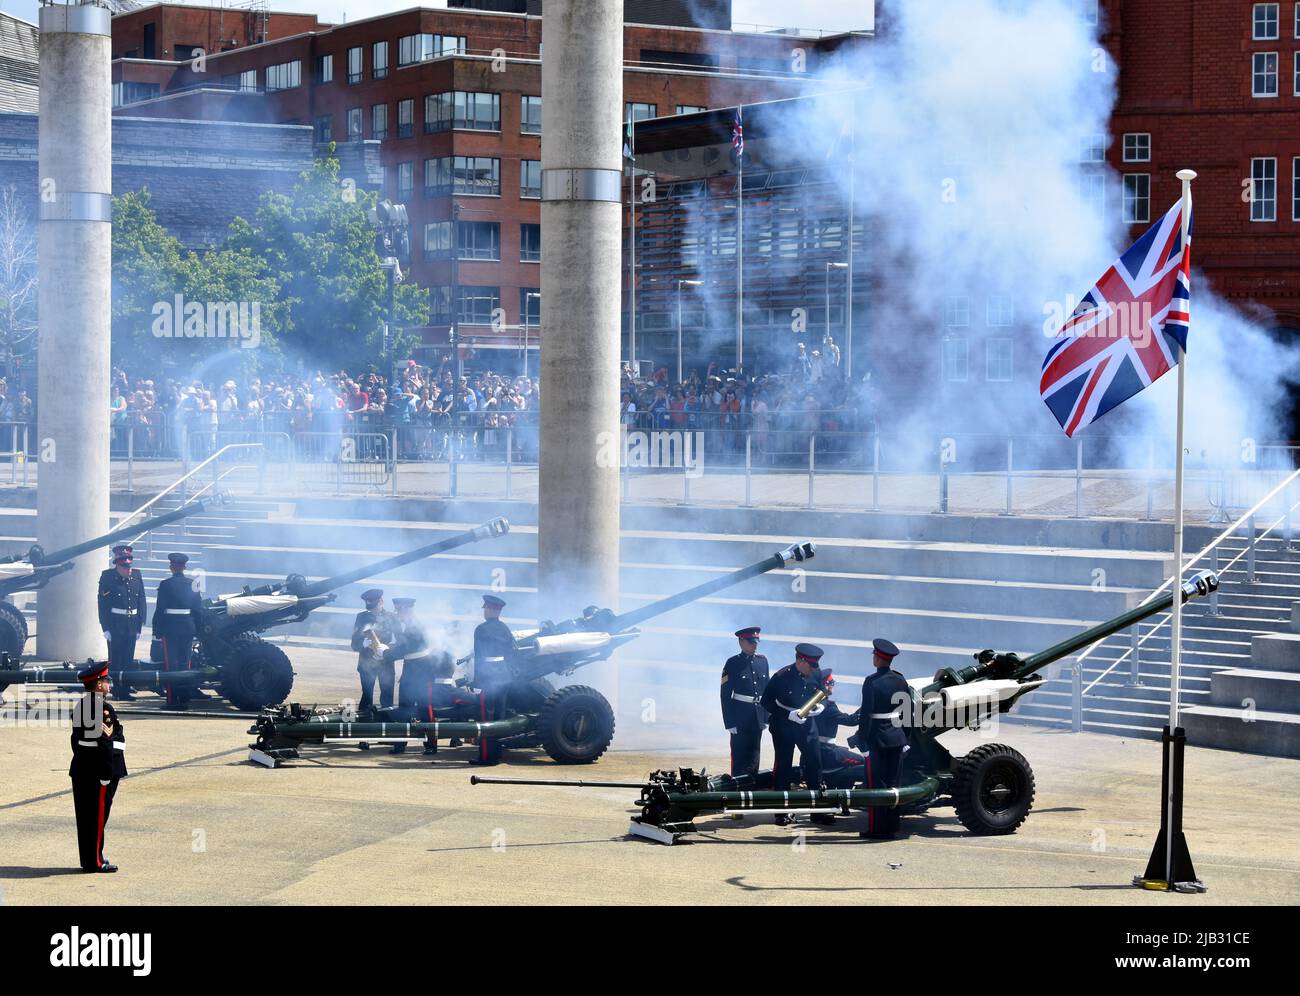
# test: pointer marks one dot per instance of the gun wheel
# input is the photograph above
(255, 675)
(993, 790)
(576, 725)
(13, 630)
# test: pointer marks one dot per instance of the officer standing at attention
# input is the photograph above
(886, 699)
(744, 679)
(785, 694)
(98, 763)
(122, 608)
(372, 632)
(176, 614)
(493, 645)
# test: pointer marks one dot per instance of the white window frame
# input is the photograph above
(1295, 188)
(1132, 199)
(1295, 88)
(1090, 11)
(1255, 22)
(1257, 179)
(1092, 148)
(956, 312)
(999, 311)
(1009, 360)
(1256, 74)
(1133, 150)
(949, 356)
(1092, 191)
(1297, 20)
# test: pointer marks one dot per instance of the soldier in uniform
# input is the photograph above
(493, 645)
(122, 608)
(744, 678)
(785, 694)
(428, 682)
(881, 735)
(372, 633)
(98, 763)
(176, 614)
(833, 757)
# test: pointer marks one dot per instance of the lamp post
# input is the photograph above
(848, 346)
(680, 285)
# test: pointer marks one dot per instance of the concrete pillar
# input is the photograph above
(74, 264)
(582, 111)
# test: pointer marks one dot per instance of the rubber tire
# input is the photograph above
(13, 631)
(559, 712)
(974, 773)
(256, 675)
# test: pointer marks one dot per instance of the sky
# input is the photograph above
(828, 15)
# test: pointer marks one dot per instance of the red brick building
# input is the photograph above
(453, 98)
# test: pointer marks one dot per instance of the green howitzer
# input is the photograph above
(991, 787)
(574, 724)
(34, 569)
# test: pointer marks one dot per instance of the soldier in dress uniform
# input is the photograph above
(428, 682)
(98, 763)
(881, 734)
(176, 614)
(744, 678)
(826, 726)
(493, 645)
(785, 694)
(372, 633)
(122, 608)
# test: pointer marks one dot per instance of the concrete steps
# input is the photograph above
(1256, 707)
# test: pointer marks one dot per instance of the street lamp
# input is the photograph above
(680, 285)
(848, 345)
(527, 324)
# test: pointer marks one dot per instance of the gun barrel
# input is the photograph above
(41, 558)
(797, 552)
(577, 783)
(493, 527)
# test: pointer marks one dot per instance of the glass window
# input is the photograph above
(379, 121)
(530, 306)
(956, 312)
(437, 177)
(405, 180)
(464, 110)
(1090, 11)
(530, 115)
(1295, 189)
(1092, 191)
(999, 312)
(325, 69)
(479, 175)
(478, 240)
(1295, 89)
(639, 112)
(1266, 21)
(418, 48)
(690, 108)
(440, 304)
(530, 241)
(325, 128)
(1263, 189)
(955, 357)
(997, 359)
(1137, 198)
(530, 178)
(406, 118)
(475, 305)
(379, 60)
(1264, 75)
(284, 76)
(1297, 20)
(1092, 149)
(354, 64)
(1137, 147)
(248, 81)
(354, 124)
(437, 238)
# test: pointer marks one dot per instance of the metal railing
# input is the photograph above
(18, 454)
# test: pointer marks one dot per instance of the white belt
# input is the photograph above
(444, 681)
(88, 743)
(118, 745)
(896, 714)
(176, 612)
(743, 698)
(122, 612)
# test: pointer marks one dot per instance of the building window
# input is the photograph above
(1137, 147)
(440, 304)
(459, 109)
(406, 118)
(325, 128)
(1092, 149)
(956, 312)
(1295, 189)
(354, 124)
(248, 81)
(379, 60)
(1295, 90)
(405, 180)
(476, 175)
(325, 69)
(1297, 20)
(530, 240)
(129, 93)
(1267, 18)
(530, 307)
(478, 240)
(999, 312)
(530, 115)
(690, 108)
(1092, 191)
(997, 359)
(437, 177)
(1137, 198)
(437, 237)
(418, 48)
(284, 76)
(1263, 189)
(354, 65)
(1090, 11)
(955, 358)
(634, 111)
(530, 178)
(1264, 77)
(475, 305)
(379, 121)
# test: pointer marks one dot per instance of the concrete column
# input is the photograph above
(582, 111)
(75, 156)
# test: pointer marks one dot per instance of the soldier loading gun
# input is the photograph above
(783, 699)
(428, 682)
(372, 632)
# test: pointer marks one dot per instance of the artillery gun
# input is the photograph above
(991, 787)
(249, 672)
(34, 569)
(574, 724)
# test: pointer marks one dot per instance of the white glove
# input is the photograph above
(102, 782)
(817, 710)
(108, 636)
(796, 718)
(731, 729)
(381, 649)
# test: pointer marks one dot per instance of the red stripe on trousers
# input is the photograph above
(871, 812)
(167, 666)
(99, 833)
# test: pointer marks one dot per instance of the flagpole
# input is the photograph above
(740, 255)
(631, 276)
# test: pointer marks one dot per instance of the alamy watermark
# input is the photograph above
(235, 320)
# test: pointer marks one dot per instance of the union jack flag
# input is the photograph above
(1127, 332)
(738, 136)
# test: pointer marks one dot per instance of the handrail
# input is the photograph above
(1178, 572)
(181, 480)
(224, 474)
